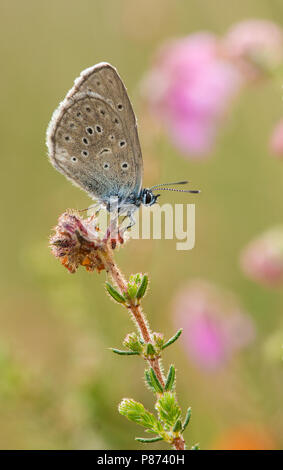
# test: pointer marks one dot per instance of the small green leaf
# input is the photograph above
(195, 447)
(173, 339)
(142, 288)
(170, 379)
(155, 382)
(148, 379)
(133, 285)
(158, 339)
(168, 409)
(187, 418)
(148, 440)
(132, 291)
(136, 412)
(177, 426)
(124, 353)
(114, 293)
(150, 349)
(132, 342)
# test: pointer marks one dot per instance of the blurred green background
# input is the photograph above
(59, 383)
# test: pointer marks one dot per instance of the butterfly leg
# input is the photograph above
(112, 232)
(131, 222)
(94, 209)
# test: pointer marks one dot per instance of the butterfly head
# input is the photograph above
(148, 198)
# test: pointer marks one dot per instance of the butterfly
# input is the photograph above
(93, 140)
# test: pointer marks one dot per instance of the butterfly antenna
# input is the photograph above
(193, 191)
(168, 184)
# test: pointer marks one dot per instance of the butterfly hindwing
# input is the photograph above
(92, 138)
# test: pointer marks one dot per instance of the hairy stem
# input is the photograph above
(136, 311)
(179, 443)
(139, 318)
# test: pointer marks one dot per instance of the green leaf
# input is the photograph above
(177, 426)
(155, 382)
(148, 440)
(136, 412)
(133, 285)
(195, 447)
(170, 379)
(173, 339)
(132, 291)
(187, 418)
(142, 288)
(158, 339)
(148, 379)
(124, 353)
(150, 349)
(133, 343)
(168, 408)
(114, 293)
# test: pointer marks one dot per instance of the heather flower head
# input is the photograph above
(214, 326)
(257, 46)
(276, 140)
(78, 242)
(189, 89)
(262, 259)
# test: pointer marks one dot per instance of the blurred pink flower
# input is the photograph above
(190, 88)
(276, 141)
(214, 327)
(262, 259)
(256, 44)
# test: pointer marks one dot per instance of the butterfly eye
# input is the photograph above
(148, 198)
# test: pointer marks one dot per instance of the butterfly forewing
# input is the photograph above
(92, 137)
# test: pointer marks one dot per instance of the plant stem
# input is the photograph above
(136, 311)
(179, 443)
(139, 318)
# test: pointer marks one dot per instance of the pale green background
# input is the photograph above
(59, 384)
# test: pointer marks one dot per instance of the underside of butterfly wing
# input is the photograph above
(92, 138)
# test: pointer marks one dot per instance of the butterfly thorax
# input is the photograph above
(132, 202)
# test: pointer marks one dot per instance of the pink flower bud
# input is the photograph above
(76, 242)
